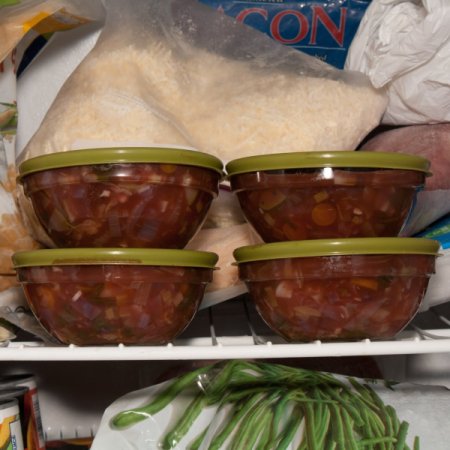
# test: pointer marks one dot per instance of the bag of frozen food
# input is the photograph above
(179, 73)
(322, 29)
(431, 142)
(224, 230)
(250, 405)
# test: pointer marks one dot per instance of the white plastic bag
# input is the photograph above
(405, 45)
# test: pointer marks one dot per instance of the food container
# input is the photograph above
(10, 429)
(30, 412)
(20, 395)
(121, 197)
(322, 195)
(340, 289)
(111, 296)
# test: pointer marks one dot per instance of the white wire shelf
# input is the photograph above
(233, 330)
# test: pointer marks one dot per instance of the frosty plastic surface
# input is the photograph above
(298, 204)
(112, 304)
(122, 205)
(338, 297)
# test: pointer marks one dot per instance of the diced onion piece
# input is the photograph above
(320, 196)
(284, 290)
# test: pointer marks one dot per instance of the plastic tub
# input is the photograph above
(322, 195)
(338, 289)
(112, 296)
(130, 197)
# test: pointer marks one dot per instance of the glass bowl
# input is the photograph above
(342, 289)
(323, 195)
(130, 197)
(112, 296)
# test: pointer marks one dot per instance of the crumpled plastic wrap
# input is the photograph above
(404, 45)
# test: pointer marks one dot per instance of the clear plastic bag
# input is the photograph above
(179, 73)
(249, 405)
(42, 16)
(224, 230)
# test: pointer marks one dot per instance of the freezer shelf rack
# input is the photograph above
(234, 330)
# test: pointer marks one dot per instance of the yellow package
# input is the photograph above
(17, 18)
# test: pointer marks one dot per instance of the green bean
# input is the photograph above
(221, 382)
(401, 436)
(364, 396)
(416, 445)
(238, 395)
(318, 405)
(366, 429)
(244, 432)
(348, 430)
(183, 425)
(287, 435)
(265, 435)
(341, 398)
(376, 423)
(197, 442)
(279, 410)
(394, 419)
(259, 428)
(310, 427)
(132, 416)
(330, 443)
(324, 426)
(337, 427)
(378, 440)
(240, 411)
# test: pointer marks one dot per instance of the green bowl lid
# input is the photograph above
(343, 159)
(96, 256)
(120, 155)
(333, 247)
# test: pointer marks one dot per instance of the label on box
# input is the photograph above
(324, 29)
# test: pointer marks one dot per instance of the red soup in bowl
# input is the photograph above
(122, 197)
(112, 296)
(321, 195)
(343, 289)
